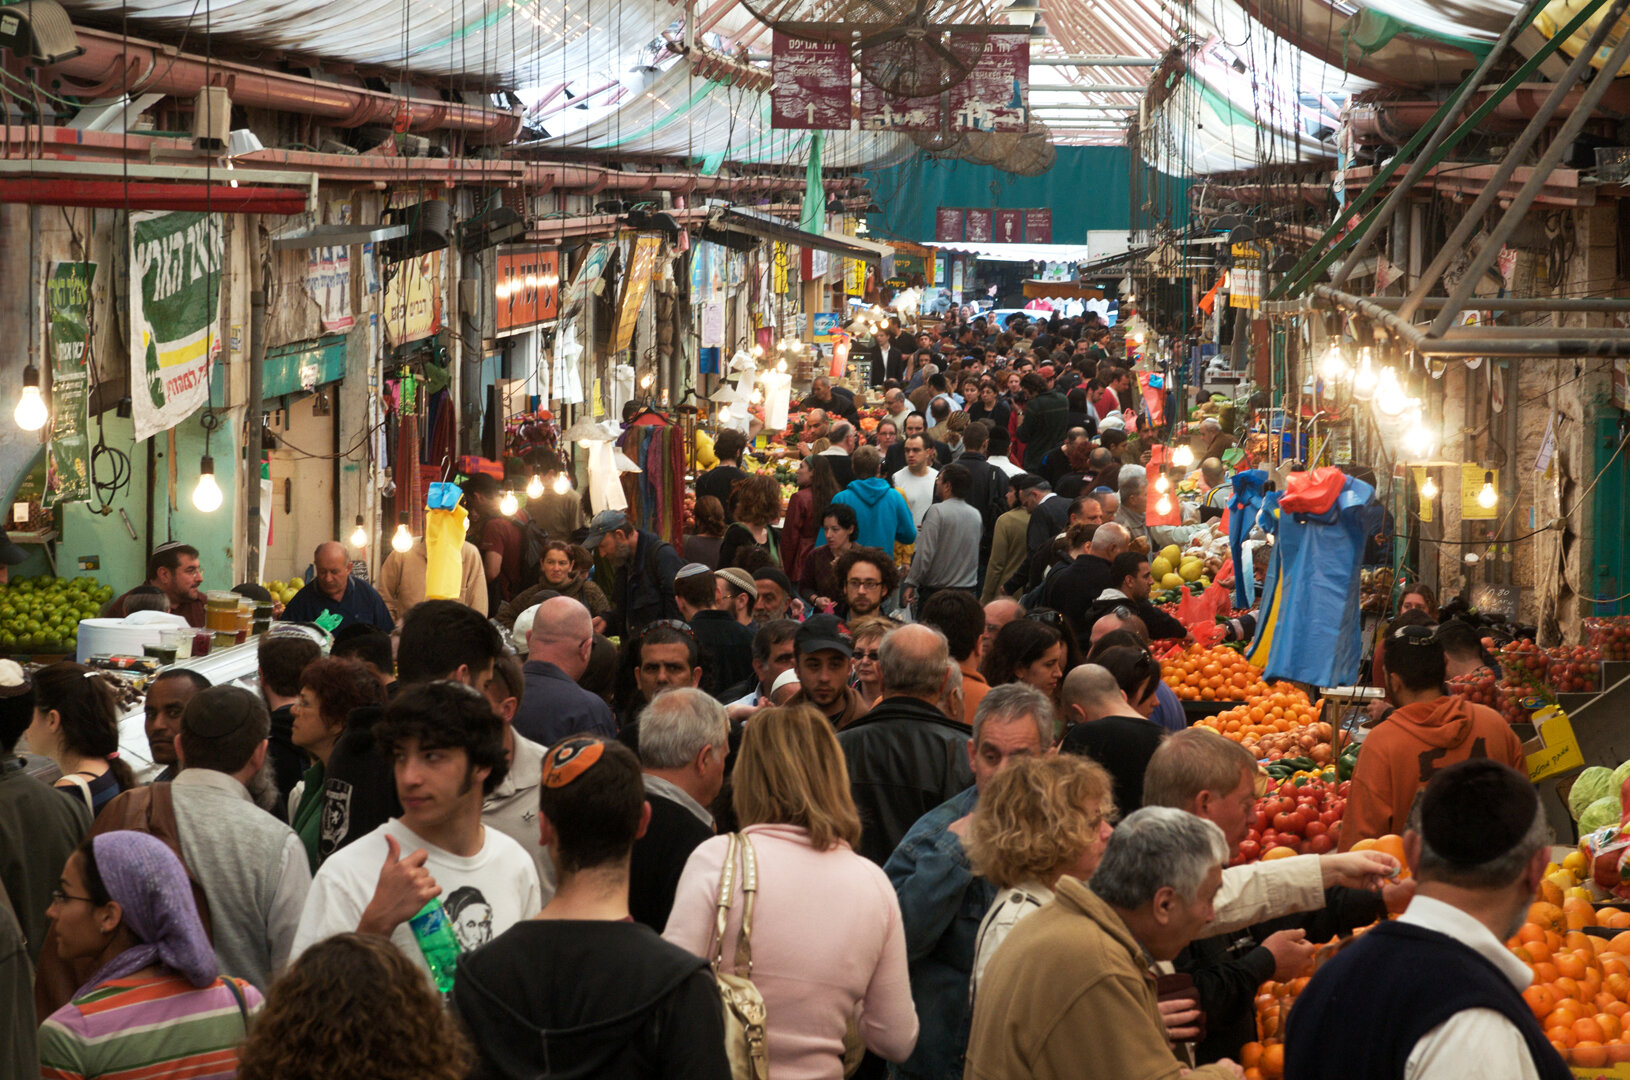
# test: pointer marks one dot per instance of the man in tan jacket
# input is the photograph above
(401, 579)
(1069, 994)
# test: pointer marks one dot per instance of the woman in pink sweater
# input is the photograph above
(827, 939)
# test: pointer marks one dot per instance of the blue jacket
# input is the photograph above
(883, 515)
(942, 903)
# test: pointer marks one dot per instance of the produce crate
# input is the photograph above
(1575, 670)
(1199, 710)
(1610, 636)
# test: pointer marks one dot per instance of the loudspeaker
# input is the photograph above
(212, 119)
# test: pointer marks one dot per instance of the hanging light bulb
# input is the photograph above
(724, 414)
(402, 540)
(1364, 379)
(207, 495)
(1183, 456)
(757, 396)
(534, 487)
(1162, 484)
(359, 535)
(1488, 496)
(1417, 439)
(508, 504)
(645, 381)
(781, 366)
(1335, 364)
(758, 350)
(1390, 398)
(31, 413)
(1429, 490)
(562, 484)
(1164, 506)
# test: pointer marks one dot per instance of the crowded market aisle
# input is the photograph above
(1063, 691)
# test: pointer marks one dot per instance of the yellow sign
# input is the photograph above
(1472, 478)
(635, 283)
(1556, 750)
(854, 270)
(413, 304)
(1418, 472)
(778, 269)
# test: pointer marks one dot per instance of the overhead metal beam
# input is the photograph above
(1066, 106)
(1094, 61)
(1091, 88)
(1535, 342)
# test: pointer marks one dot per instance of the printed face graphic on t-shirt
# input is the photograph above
(471, 917)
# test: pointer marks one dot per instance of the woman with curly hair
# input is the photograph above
(1037, 819)
(816, 486)
(756, 502)
(353, 1007)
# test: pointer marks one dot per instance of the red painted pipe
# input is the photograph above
(113, 65)
(153, 195)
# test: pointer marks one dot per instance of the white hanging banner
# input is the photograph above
(777, 386)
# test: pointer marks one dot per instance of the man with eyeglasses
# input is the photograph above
(868, 576)
(1426, 732)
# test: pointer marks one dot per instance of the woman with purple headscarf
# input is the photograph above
(157, 1000)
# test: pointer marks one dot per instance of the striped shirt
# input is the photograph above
(147, 1027)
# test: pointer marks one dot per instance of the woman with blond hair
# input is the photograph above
(1037, 820)
(866, 673)
(827, 940)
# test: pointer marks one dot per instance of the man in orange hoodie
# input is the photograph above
(1428, 731)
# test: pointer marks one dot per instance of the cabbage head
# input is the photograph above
(1618, 776)
(1600, 814)
(1593, 784)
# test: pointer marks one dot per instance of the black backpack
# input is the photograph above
(533, 539)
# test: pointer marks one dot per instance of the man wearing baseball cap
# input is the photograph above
(822, 649)
(1436, 993)
(643, 591)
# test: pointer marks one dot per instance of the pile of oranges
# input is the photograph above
(1212, 674)
(1265, 1058)
(1581, 988)
(1278, 722)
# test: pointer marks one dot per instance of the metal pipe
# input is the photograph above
(1560, 145)
(1312, 263)
(1515, 155)
(254, 419)
(1423, 160)
(1527, 303)
(1531, 342)
(116, 65)
(1094, 61)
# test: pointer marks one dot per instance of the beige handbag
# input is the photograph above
(744, 1036)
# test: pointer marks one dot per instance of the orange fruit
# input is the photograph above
(1547, 915)
(1586, 1029)
(1561, 1037)
(1587, 1054)
(1536, 947)
(1278, 853)
(1620, 943)
(1617, 984)
(1250, 1055)
(1545, 972)
(1541, 999)
(1577, 939)
(1569, 965)
(1254, 1074)
(1602, 1000)
(1578, 913)
(1612, 1027)
(1564, 1015)
(1273, 1061)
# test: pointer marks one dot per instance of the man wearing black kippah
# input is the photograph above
(1436, 994)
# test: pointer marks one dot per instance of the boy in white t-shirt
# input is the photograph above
(448, 752)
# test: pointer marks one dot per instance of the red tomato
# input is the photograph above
(1318, 845)
(1315, 828)
(1286, 823)
(1250, 850)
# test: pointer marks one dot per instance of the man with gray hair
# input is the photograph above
(941, 899)
(905, 756)
(557, 654)
(1134, 494)
(844, 442)
(1436, 993)
(1069, 994)
(684, 738)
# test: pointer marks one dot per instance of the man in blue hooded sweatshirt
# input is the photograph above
(883, 515)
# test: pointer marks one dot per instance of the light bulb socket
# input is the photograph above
(360, 525)
(206, 466)
(31, 377)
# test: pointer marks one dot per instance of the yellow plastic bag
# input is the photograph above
(444, 553)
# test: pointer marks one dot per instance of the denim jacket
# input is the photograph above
(941, 904)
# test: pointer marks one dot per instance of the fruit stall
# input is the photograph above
(39, 616)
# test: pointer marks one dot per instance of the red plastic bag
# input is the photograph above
(1198, 614)
(1609, 851)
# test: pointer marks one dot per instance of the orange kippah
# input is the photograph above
(570, 760)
